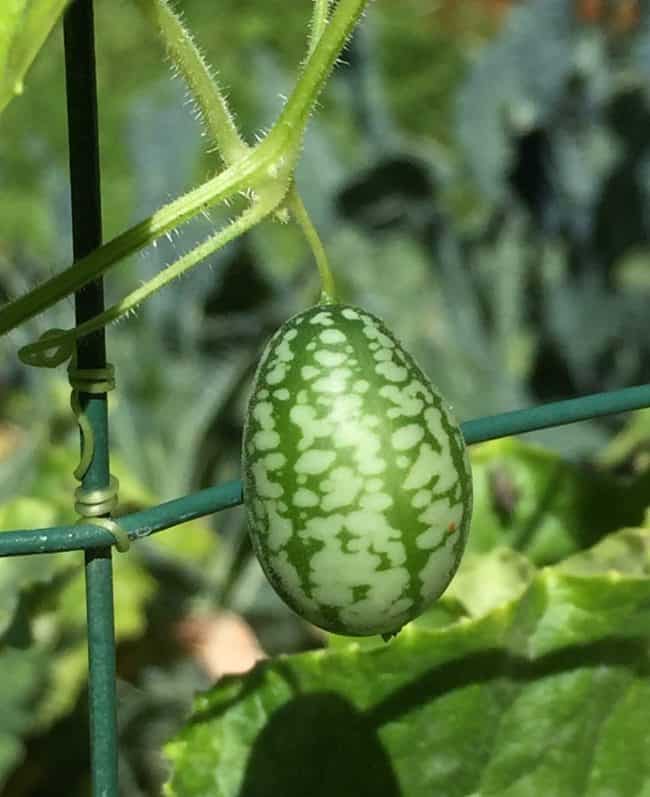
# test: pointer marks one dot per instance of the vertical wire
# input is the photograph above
(81, 90)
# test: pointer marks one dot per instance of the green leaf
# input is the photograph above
(51, 587)
(61, 625)
(23, 675)
(627, 551)
(486, 581)
(24, 27)
(57, 616)
(631, 443)
(545, 694)
(528, 498)
(19, 573)
(444, 612)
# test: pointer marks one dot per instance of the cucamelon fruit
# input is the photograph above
(357, 483)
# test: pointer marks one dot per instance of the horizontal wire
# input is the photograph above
(136, 524)
(224, 496)
(556, 413)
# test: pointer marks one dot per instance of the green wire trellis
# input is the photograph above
(97, 541)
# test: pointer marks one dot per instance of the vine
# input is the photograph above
(264, 173)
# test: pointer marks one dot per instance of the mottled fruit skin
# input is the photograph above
(356, 479)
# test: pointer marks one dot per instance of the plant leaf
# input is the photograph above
(24, 27)
(486, 581)
(23, 676)
(528, 498)
(61, 626)
(22, 572)
(545, 694)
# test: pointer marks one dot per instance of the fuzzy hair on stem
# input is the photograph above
(265, 171)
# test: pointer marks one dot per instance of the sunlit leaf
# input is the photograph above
(545, 694)
(19, 573)
(24, 27)
(528, 498)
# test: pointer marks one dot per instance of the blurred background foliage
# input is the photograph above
(480, 174)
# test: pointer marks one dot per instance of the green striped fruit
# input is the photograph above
(357, 485)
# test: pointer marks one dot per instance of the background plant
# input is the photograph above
(506, 224)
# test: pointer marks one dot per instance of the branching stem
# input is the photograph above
(297, 207)
(264, 172)
(62, 341)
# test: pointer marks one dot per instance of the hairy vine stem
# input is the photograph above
(318, 22)
(263, 172)
(205, 91)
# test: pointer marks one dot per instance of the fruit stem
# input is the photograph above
(297, 207)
